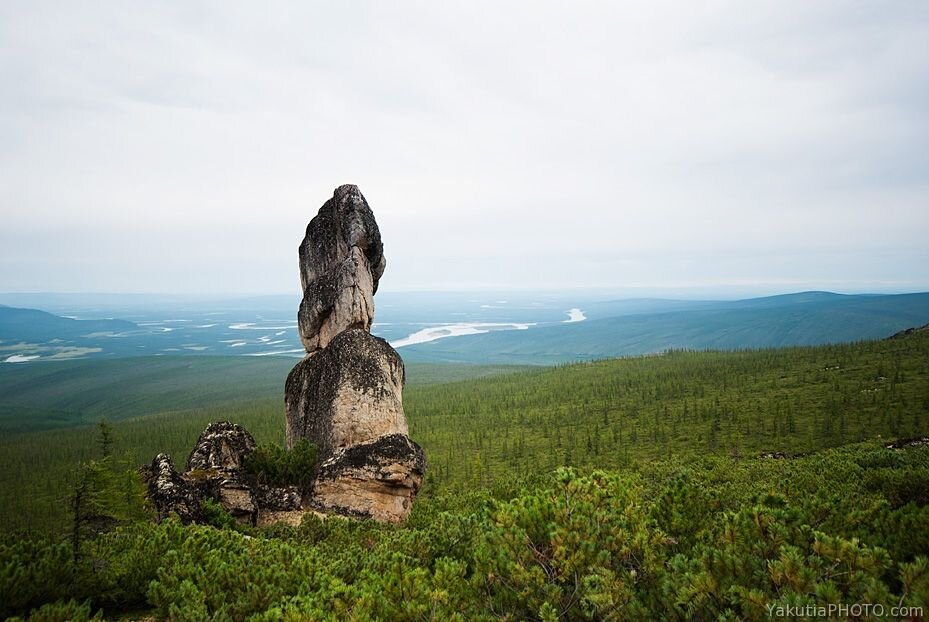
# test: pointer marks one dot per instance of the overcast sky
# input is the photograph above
(182, 147)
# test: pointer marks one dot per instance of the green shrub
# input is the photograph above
(273, 465)
(717, 539)
(216, 515)
(32, 572)
(71, 611)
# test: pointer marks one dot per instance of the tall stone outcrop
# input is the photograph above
(345, 396)
(341, 262)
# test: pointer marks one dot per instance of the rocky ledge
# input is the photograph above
(378, 479)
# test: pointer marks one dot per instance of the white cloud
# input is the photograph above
(184, 147)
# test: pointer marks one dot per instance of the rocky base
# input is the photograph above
(378, 479)
(215, 471)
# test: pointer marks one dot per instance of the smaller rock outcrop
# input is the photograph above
(906, 443)
(216, 471)
(169, 492)
(377, 479)
(221, 446)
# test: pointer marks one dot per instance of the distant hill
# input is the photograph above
(807, 318)
(33, 325)
(608, 328)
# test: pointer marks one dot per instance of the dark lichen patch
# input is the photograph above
(387, 450)
(354, 359)
(222, 445)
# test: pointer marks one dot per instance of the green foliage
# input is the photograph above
(668, 513)
(107, 492)
(33, 571)
(579, 551)
(574, 545)
(216, 515)
(273, 465)
(70, 611)
(679, 404)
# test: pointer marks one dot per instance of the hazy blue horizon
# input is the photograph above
(726, 291)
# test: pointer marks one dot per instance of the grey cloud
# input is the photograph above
(603, 144)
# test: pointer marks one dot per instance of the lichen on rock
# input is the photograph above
(345, 397)
(171, 493)
(221, 446)
(346, 394)
(216, 471)
(341, 262)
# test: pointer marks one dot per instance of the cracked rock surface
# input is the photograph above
(215, 471)
(346, 396)
(341, 263)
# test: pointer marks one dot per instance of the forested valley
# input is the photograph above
(686, 485)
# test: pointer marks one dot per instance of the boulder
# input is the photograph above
(341, 262)
(378, 479)
(347, 394)
(278, 499)
(222, 446)
(171, 493)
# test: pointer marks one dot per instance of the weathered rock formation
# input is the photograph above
(377, 479)
(215, 471)
(346, 394)
(345, 397)
(222, 446)
(169, 492)
(341, 262)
